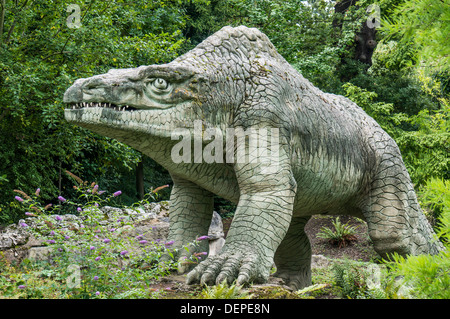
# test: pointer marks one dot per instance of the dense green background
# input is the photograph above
(405, 89)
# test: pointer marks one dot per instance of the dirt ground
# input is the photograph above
(360, 250)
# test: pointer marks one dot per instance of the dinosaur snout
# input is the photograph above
(74, 94)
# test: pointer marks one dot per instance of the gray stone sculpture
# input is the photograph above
(330, 156)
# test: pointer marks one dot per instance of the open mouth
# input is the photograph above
(81, 105)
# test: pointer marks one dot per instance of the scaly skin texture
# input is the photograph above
(333, 158)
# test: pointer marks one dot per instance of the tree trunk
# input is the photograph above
(365, 42)
(140, 180)
(2, 19)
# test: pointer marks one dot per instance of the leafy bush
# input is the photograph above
(342, 234)
(90, 259)
(434, 197)
(357, 281)
(425, 150)
(428, 276)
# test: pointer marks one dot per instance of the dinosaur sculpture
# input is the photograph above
(332, 158)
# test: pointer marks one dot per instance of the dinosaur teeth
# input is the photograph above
(119, 108)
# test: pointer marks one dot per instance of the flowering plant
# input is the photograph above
(98, 258)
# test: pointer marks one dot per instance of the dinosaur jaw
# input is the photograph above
(113, 120)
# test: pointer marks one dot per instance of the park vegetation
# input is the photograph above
(401, 79)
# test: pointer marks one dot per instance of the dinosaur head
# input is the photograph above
(208, 83)
(136, 99)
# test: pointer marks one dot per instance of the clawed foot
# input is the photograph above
(232, 265)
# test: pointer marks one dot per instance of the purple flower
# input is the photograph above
(18, 198)
(23, 225)
(52, 233)
(21, 287)
(95, 188)
(112, 229)
(96, 204)
(29, 214)
(66, 237)
(38, 191)
(97, 258)
(60, 249)
(117, 193)
(96, 236)
(139, 236)
(51, 241)
(92, 248)
(124, 252)
(143, 242)
(106, 240)
(169, 243)
(204, 253)
(57, 217)
(97, 293)
(62, 199)
(101, 192)
(79, 209)
(95, 277)
(202, 238)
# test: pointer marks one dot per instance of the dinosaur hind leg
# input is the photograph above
(395, 220)
(293, 256)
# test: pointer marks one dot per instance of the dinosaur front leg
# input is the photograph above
(190, 216)
(260, 223)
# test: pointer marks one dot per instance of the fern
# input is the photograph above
(342, 234)
(223, 291)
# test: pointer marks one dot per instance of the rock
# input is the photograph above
(13, 236)
(216, 228)
(216, 235)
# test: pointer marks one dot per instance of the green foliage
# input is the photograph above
(341, 236)
(425, 22)
(107, 267)
(224, 291)
(40, 57)
(434, 197)
(358, 281)
(427, 276)
(425, 150)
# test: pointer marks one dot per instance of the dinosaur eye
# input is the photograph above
(160, 84)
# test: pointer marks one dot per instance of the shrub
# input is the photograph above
(428, 276)
(434, 197)
(91, 257)
(341, 236)
(356, 281)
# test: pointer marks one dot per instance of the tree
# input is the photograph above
(427, 24)
(41, 55)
